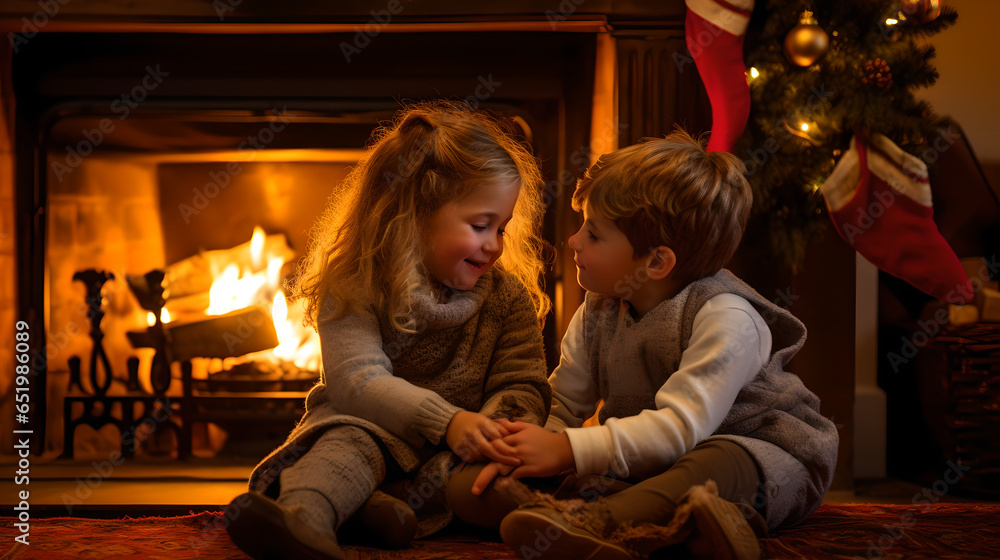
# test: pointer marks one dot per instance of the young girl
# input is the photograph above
(423, 282)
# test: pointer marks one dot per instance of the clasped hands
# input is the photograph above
(517, 449)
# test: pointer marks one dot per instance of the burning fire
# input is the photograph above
(234, 289)
(257, 281)
(293, 346)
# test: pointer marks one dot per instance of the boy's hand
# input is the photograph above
(487, 475)
(542, 453)
(474, 437)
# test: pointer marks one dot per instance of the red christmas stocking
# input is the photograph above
(879, 199)
(713, 31)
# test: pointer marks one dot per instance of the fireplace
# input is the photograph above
(202, 155)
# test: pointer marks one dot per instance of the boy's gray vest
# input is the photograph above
(775, 417)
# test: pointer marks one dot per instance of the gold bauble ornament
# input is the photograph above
(807, 41)
(920, 11)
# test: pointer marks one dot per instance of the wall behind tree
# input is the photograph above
(970, 78)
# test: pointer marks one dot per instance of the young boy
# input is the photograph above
(690, 374)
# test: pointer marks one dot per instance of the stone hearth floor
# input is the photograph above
(62, 487)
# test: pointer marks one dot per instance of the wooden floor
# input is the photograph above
(61, 487)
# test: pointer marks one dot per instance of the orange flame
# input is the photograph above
(256, 247)
(259, 283)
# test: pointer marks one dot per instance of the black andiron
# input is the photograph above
(136, 407)
(241, 332)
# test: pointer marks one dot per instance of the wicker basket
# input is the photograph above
(964, 364)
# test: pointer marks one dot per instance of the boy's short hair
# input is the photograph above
(670, 191)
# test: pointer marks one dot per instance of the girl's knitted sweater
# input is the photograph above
(481, 350)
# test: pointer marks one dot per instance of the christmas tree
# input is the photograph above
(818, 72)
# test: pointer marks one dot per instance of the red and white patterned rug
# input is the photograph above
(834, 532)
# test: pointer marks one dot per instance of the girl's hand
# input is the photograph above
(474, 438)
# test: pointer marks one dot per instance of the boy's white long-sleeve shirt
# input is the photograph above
(729, 345)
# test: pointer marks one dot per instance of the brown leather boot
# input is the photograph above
(706, 526)
(392, 522)
(550, 534)
(721, 530)
(267, 531)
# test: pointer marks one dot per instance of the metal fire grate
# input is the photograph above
(238, 397)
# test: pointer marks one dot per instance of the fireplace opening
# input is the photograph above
(224, 229)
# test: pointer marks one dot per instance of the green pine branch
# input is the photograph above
(786, 164)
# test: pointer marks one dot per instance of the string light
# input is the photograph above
(753, 72)
(804, 127)
(891, 21)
